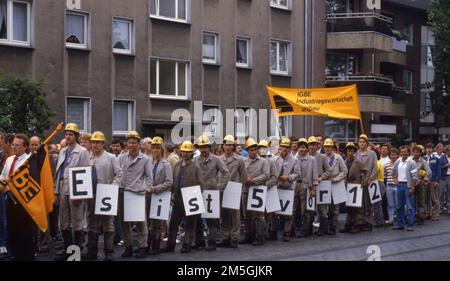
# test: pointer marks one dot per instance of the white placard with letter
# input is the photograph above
(160, 206)
(286, 202)
(375, 192)
(80, 183)
(310, 201)
(106, 199)
(324, 193)
(211, 201)
(257, 198)
(232, 196)
(354, 195)
(192, 200)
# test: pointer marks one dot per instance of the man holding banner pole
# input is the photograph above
(288, 172)
(162, 182)
(136, 179)
(307, 184)
(70, 211)
(230, 218)
(185, 174)
(210, 166)
(338, 173)
(108, 172)
(258, 172)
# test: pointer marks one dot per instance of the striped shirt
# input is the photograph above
(388, 172)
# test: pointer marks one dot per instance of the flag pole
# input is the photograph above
(55, 132)
(362, 127)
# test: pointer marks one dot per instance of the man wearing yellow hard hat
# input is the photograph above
(357, 174)
(258, 172)
(215, 176)
(270, 218)
(338, 173)
(309, 179)
(424, 173)
(231, 219)
(288, 173)
(162, 182)
(136, 178)
(369, 159)
(108, 172)
(70, 211)
(185, 174)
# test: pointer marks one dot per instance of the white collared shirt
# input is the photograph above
(9, 161)
(402, 170)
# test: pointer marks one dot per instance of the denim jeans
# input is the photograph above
(391, 194)
(404, 197)
(3, 230)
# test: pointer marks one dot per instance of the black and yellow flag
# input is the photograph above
(32, 186)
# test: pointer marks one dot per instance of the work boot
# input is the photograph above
(91, 252)
(199, 244)
(355, 229)
(68, 241)
(128, 253)
(141, 254)
(109, 255)
(273, 236)
(234, 244)
(258, 242)
(286, 237)
(109, 246)
(186, 248)
(156, 243)
(212, 246)
(322, 227)
(248, 239)
(331, 230)
(78, 237)
(346, 229)
(366, 227)
(225, 243)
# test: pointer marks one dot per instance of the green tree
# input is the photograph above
(23, 108)
(439, 23)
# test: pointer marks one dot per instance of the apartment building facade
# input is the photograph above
(115, 65)
(383, 47)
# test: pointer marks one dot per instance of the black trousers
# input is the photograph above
(20, 232)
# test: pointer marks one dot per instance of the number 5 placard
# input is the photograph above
(354, 195)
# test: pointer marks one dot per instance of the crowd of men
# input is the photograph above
(414, 182)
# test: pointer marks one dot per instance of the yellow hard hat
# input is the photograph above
(312, 139)
(187, 146)
(263, 143)
(285, 142)
(133, 135)
(203, 140)
(364, 136)
(157, 140)
(421, 148)
(229, 139)
(328, 142)
(422, 173)
(350, 144)
(250, 142)
(303, 141)
(72, 127)
(98, 136)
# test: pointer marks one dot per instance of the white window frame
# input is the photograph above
(216, 59)
(131, 36)
(176, 19)
(87, 29)
(87, 112)
(288, 57)
(276, 4)
(188, 79)
(10, 22)
(131, 116)
(409, 88)
(249, 52)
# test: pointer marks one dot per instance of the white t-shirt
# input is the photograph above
(384, 161)
(402, 170)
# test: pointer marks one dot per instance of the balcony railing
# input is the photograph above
(367, 85)
(359, 22)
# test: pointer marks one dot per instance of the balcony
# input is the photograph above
(375, 93)
(369, 31)
(398, 53)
